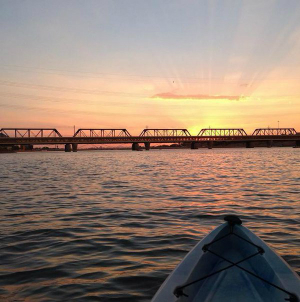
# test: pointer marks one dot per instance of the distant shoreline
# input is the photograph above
(162, 147)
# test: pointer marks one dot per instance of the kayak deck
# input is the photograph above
(230, 264)
(232, 279)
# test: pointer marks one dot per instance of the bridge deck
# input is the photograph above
(139, 139)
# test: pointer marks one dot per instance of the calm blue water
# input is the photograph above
(111, 225)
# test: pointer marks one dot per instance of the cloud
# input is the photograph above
(170, 95)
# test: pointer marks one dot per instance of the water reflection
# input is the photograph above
(110, 226)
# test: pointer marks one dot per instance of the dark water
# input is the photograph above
(111, 225)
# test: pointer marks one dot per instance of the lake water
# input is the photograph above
(111, 225)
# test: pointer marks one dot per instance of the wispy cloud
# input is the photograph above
(170, 95)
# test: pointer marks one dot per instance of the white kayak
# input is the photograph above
(231, 264)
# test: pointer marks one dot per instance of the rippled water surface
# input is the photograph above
(111, 225)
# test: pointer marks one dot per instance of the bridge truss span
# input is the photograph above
(102, 133)
(222, 132)
(165, 132)
(30, 132)
(274, 131)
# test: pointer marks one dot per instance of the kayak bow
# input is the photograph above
(231, 264)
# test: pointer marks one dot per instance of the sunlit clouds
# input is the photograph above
(197, 97)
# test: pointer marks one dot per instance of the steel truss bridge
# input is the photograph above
(51, 136)
(101, 133)
(29, 132)
(165, 132)
(222, 132)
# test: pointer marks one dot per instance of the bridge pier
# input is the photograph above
(297, 145)
(147, 146)
(68, 147)
(27, 147)
(270, 144)
(249, 145)
(194, 145)
(74, 147)
(135, 147)
(210, 144)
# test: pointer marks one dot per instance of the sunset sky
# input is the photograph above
(137, 63)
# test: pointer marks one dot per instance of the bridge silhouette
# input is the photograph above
(208, 137)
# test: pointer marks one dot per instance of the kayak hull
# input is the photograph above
(237, 266)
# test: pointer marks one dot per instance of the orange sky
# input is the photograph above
(108, 67)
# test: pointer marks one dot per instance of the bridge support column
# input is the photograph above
(210, 144)
(135, 147)
(68, 147)
(297, 145)
(147, 146)
(194, 145)
(270, 144)
(249, 145)
(74, 147)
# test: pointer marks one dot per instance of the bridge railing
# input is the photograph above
(275, 131)
(102, 133)
(30, 132)
(222, 132)
(165, 132)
